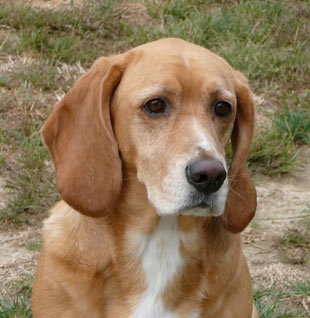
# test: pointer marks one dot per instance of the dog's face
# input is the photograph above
(166, 112)
(174, 110)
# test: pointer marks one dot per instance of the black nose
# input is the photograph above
(206, 175)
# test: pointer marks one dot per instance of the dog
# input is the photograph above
(151, 213)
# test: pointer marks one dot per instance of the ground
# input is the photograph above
(277, 241)
(280, 203)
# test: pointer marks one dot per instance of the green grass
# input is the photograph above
(272, 151)
(64, 35)
(31, 180)
(272, 302)
(4, 81)
(297, 237)
(27, 163)
(267, 40)
(294, 244)
(17, 304)
(275, 149)
(294, 125)
(254, 36)
(272, 154)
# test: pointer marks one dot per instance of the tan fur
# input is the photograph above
(109, 156)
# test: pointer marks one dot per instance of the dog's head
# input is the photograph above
(166, 111)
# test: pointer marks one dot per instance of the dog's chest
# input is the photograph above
(161, 261)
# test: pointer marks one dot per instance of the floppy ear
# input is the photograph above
(80, 138)
(241, 201)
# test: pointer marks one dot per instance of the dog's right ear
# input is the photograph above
(80, 138)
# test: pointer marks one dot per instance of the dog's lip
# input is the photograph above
(201, 205)
(200, 201)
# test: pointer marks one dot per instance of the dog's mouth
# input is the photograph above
(201, 205)
(188, 201)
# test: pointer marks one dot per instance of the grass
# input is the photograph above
(294, 244)
(29, 182)
(246, 33)
(249, 34)
(272, 302)
(66, 35)
(273, 152)
(17, 304)
(275, 149)
(294, 125)
(27, 166)
(43, 51)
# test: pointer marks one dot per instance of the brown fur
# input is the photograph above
(107, 152)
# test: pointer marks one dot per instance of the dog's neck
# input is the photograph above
(156, 251)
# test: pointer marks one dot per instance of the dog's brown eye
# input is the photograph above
(155, 107)
(222, 109)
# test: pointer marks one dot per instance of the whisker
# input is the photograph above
(236, 193)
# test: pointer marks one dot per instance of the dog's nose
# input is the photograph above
(206, 175)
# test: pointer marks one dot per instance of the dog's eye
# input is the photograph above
(222, 109)
(155, 107)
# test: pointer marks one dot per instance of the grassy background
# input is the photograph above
(45, 50)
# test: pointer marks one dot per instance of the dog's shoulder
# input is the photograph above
(78, 240)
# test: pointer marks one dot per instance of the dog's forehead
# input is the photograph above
(179, 52)
(177, 62)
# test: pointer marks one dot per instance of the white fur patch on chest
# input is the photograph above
(161, 260)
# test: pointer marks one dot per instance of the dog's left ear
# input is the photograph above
(241, 201)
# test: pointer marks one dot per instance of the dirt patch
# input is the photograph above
(19, 250)
(3, 193)
(280, 208)
(262, 115)
(136, 14)
(18, 260)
